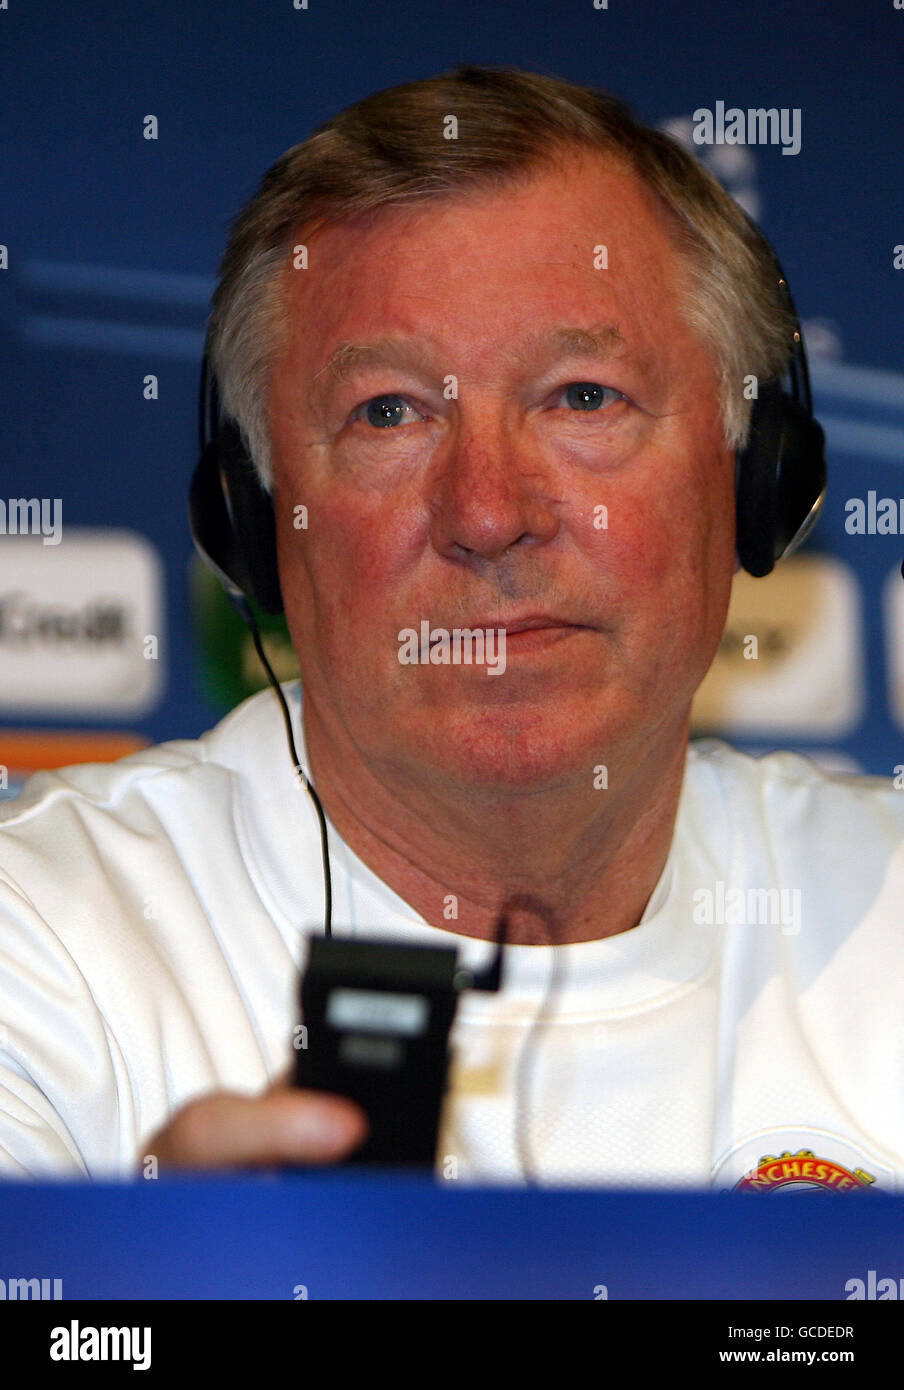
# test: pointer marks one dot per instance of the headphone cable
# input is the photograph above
(243, 607)
(529, 1047)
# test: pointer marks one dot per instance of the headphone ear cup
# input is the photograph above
(801, 480)
(252, 521)
(780, 480)
(211, 524)
(232, 522)
(756, 482)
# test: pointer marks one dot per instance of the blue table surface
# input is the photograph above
(331, 1235)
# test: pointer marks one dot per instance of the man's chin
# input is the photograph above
(514, 749)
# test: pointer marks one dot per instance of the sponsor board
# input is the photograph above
(81, 624)
(791, 660)
(24, 751)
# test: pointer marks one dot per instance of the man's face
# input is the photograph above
(460, 481)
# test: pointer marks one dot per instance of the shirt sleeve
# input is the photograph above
(58, 1095)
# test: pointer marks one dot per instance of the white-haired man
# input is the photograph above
(456, 385)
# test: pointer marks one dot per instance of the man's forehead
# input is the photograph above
(552, 209)
(562, 340)
(554, 281)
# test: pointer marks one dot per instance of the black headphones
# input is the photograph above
(780, 483)
(230, 513)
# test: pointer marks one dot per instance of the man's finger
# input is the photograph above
(283, 1126)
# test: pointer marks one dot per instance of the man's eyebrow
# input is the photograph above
(389, 352)
(599, 340)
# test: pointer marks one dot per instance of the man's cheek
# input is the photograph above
(358, 607)
(655, 582)
(635, 551)
(345, 559)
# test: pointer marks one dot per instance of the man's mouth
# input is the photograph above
(513, 626)
(528, 632)
(531, 623)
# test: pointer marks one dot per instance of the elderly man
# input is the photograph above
(491, 340)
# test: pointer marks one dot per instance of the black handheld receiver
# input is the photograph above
(377, 1017)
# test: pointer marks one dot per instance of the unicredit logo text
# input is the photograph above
(25, 622)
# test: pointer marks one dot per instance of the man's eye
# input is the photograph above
(383, 412)
(388, 411)
(589, 395)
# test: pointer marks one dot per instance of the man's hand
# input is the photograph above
(285, 1125)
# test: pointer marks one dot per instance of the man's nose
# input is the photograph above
(491, 492)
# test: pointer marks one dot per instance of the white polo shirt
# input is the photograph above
(154, 914)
